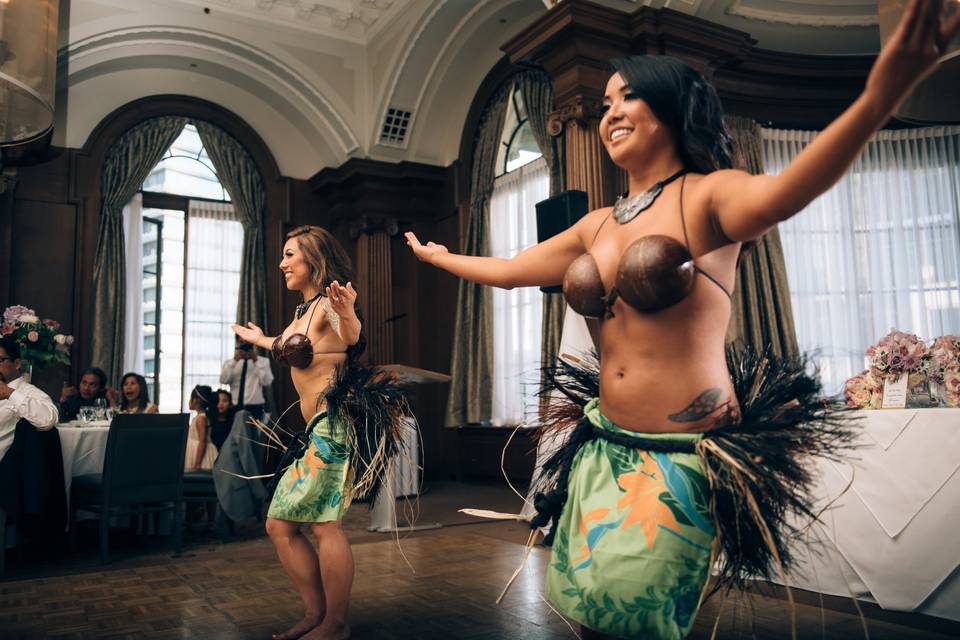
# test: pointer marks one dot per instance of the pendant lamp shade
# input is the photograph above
(936, 100)
(28, 67)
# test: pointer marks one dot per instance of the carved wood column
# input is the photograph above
(574, 43)
(375, 284)
(588, 167)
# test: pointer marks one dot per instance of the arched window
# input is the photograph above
(517, 146)
(189, 264)
(523, 180)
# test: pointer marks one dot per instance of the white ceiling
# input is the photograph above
(315, 77)
(354, 20)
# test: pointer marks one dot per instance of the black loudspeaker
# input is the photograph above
(557, 214)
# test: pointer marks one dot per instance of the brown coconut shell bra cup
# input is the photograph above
(297, 350)
(654, 272)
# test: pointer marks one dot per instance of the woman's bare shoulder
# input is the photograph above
(588, 225)
(723, 179)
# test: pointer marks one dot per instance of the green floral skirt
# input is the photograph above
(634, 543)
(318, 486)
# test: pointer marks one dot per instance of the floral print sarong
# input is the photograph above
(633, 547)
(318, 486)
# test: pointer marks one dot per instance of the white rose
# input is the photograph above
(69, 339)
(28, 318)
(60, 338)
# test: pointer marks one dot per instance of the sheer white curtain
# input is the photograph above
(516, 313)
(214, 248)
(878, 251)
(133, 320)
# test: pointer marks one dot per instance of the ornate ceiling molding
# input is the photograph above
(196, 43)
(352, 20)
(851, 13)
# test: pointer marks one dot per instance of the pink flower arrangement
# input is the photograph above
(863, 391)
(951, 387)
(40, 341)
(944, 356)
(896, 353)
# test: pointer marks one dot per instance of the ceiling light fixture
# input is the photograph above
(28, 57)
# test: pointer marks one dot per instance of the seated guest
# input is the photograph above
(133, 395)
(223, 421)
(247, 374)
(93, 387)
(201, 452)
(19, 399)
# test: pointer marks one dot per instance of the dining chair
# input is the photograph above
(142, 473)
(32, 497)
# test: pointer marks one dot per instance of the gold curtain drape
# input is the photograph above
(761, 314)
(471, 367)
(537, 92)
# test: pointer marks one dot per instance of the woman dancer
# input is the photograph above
(318, 484)
(680, 451)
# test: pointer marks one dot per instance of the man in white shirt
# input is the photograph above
(20, 399)
(247, 374)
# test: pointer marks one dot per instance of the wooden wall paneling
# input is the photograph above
(8, 184)
(42, 276)
(792, 91)
(482, 452)
(368, 204)
(574, 42)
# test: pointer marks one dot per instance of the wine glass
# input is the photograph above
(101, 408)
(87, 414)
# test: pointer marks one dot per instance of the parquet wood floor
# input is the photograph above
(238, 590)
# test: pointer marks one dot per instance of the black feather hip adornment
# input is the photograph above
(371, 406)
(757, 465)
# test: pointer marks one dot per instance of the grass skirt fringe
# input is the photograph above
(756, 467)
(370, 405)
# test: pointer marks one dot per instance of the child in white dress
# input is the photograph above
(201, 452)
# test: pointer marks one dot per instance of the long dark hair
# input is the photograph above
(328, 262)
(683, 100)
(208, 402)
(143, 398)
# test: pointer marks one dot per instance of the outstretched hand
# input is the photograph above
(250, 333)
(424, 252)
(921, 37)
(342, 299)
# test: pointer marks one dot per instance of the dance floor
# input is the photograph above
(434, 584)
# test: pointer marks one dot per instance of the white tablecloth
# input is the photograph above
(894, 530)
(84, 449)
(403, 477)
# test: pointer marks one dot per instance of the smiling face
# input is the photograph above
(629, 130)
(295, 268)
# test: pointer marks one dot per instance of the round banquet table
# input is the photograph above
(84, 448)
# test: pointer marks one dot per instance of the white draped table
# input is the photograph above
(84, 449)
(892, 528)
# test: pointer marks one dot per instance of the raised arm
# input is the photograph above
(343, 300)
(746, 206)
(541, 265)
(253, 334)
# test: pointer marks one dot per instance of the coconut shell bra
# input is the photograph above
(654, 272)
(297, 350)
